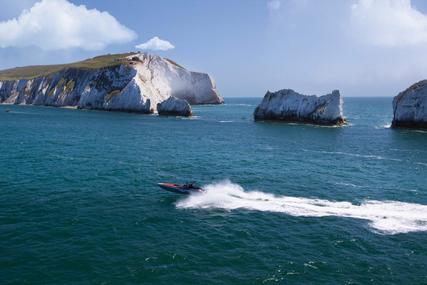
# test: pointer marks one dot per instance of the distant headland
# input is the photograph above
(131, 82)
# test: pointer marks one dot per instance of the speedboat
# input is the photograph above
(187, 188)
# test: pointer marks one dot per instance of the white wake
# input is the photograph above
(388, 217)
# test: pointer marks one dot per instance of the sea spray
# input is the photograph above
(388, 217)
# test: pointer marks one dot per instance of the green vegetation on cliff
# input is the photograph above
(29, 72)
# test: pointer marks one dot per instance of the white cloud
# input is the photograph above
(273, 5)
(388, 23)
(155, 44)
(59, 24)
(334, 50)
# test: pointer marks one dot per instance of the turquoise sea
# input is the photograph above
(285, 203)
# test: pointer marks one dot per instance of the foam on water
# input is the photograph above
(387, 217)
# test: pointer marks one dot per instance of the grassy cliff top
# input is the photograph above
(28, 72)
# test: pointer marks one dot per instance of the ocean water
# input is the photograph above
(285, 203)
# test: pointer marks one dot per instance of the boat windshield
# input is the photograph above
(190, 186)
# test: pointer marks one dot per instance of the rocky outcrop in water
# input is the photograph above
(174, 107)
(290, 106)
(410, 107)
(135, 83)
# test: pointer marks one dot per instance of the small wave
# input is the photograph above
(20, 112)
(226, 121)
(188, 118)
(386, 126)
(348, 184)
(370, 156)
(387, 217)
(318, 126)
(347, 125)
(267, 147)
(420, 131)
(245, 105)
(401, 150)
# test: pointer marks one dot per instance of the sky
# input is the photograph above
(361, 47)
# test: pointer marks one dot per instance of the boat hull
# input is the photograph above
(176, 188)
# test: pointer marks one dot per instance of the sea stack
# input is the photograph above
(132, 82)
(174, 107)
(410, 107)
(289, 106)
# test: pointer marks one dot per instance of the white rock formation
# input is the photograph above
(137, 84)
(410, 107)
(290, 106)
(174, 107)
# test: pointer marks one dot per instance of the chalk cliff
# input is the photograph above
(410, 107)
(134, 82)
(290, 106)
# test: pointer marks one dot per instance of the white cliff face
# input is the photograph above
(160, 78)
(410, 107)
(288, 105)
(174, 107)
(136, 85)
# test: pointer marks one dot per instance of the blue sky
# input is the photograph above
(361, 47)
